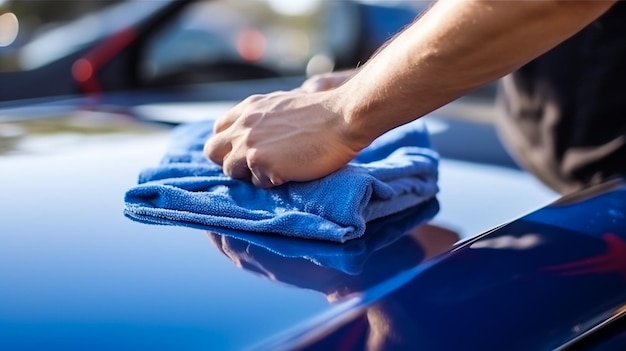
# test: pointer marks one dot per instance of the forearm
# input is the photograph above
(455, 47)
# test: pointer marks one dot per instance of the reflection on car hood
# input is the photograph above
(546, 280)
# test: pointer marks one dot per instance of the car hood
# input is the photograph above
(77, 274)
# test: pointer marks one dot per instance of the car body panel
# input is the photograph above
(78, 274)
(542, 282)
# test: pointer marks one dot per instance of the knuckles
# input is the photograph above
(236, 170)
(248, 120)
(255, 159)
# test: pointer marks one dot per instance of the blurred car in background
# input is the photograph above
(137, 44)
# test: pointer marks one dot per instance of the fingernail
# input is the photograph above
(276, 181)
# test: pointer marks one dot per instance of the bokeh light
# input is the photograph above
(294, 7)
(9, 27)
(251, 44)
(318, 64)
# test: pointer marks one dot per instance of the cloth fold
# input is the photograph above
(397, 171)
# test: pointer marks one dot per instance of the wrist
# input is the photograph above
(363, 116)
(354, 119)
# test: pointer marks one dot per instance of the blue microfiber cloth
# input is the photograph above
(397, 171)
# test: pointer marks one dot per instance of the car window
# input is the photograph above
(275, 36)
(36, 32)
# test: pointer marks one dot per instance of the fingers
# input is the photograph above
(235, 148)
(217, 148)
(224, 122)
(219, 145)
(262, 180)
(259, 173)
(236, 167)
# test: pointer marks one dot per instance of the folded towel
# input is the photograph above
(350, 257)
(397, 171)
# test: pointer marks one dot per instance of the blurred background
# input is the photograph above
(94, 45)
(21, 21)
(81, 66)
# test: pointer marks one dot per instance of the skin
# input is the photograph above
(457, 46)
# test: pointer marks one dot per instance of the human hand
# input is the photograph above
(325, 81)
(284, 136)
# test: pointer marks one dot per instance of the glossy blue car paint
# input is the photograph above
(542, 282)
(76, 274)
